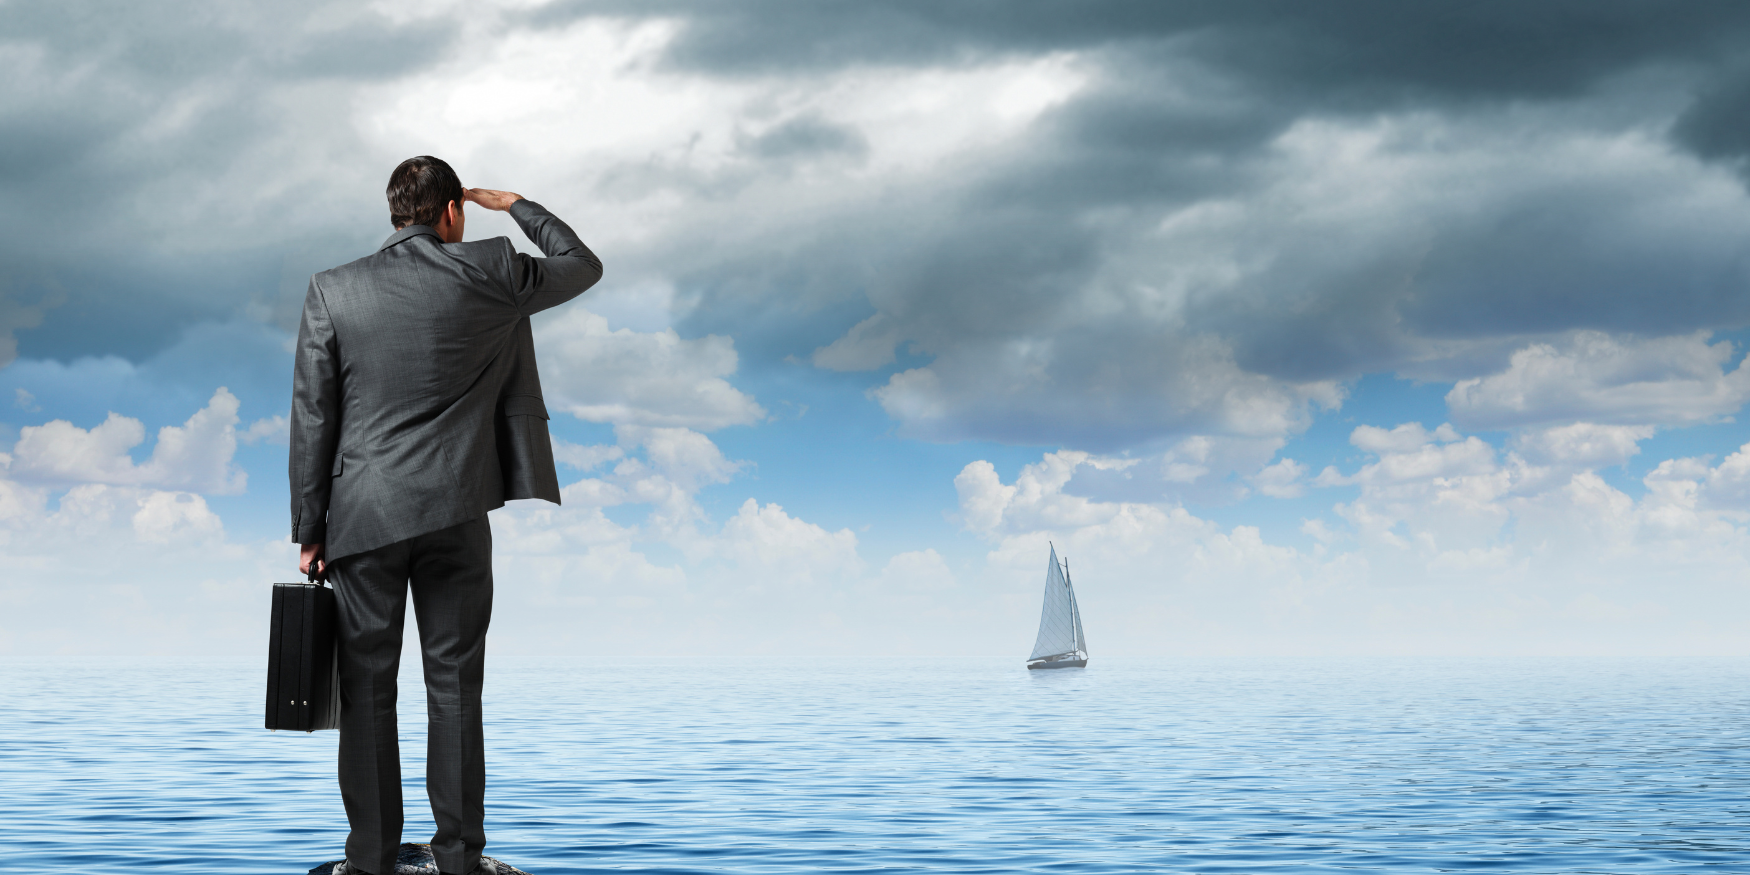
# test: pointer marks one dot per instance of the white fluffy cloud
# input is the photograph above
(1150, 578)
(1595, 377)
(672, 579)
(584, 458)
(95, 515)
(1199, 468)
(1035, 502)
(60, 450)
(65, 488)
(784, 550)
(1438, 482)
(675, 581)
(1723, 488)
(195, 456)
(130, 571)
(106, 555)
(683, 456)
(664, 469)
(639, 378)
(1582, 444)
(274, 430)
(1448, 546)
(1281, 480)
(1540, 536)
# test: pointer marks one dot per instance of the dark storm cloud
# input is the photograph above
(174, 44)
(1384, 47)
(1264, 65)
(801, 138)
(1717, 124)
(1190, 105)
(1202, 116)
(115, 110)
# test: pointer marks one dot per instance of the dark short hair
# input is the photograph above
(419, 189)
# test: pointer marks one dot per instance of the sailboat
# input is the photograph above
(1060, 643)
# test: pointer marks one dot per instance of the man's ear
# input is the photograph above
(447, 222)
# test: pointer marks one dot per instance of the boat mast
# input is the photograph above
(1074, 609)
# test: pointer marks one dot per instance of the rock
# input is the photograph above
(416, 860)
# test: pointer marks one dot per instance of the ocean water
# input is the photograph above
(963, 765)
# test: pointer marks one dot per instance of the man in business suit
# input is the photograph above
(416, 409)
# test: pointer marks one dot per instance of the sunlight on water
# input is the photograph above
(942, 765)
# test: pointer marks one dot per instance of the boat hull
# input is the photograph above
(1062, 663)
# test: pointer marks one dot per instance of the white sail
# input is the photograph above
(1075, 608)
(1060, 623)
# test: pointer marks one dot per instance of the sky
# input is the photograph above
(1352, 328)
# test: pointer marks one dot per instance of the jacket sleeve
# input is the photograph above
(315, 428)
(568, 269)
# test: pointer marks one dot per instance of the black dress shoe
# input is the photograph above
(345, 867)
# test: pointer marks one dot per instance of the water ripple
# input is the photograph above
(968, 766)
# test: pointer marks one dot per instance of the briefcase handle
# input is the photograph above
(316, 577)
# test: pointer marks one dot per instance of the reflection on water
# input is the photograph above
(950, 765)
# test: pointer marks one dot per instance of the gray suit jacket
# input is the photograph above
(415, 400)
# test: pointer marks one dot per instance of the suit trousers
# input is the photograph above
(450, 572)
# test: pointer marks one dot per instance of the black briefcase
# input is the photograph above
(303, 673)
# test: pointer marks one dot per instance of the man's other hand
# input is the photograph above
(491, 198)
(308, 553)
